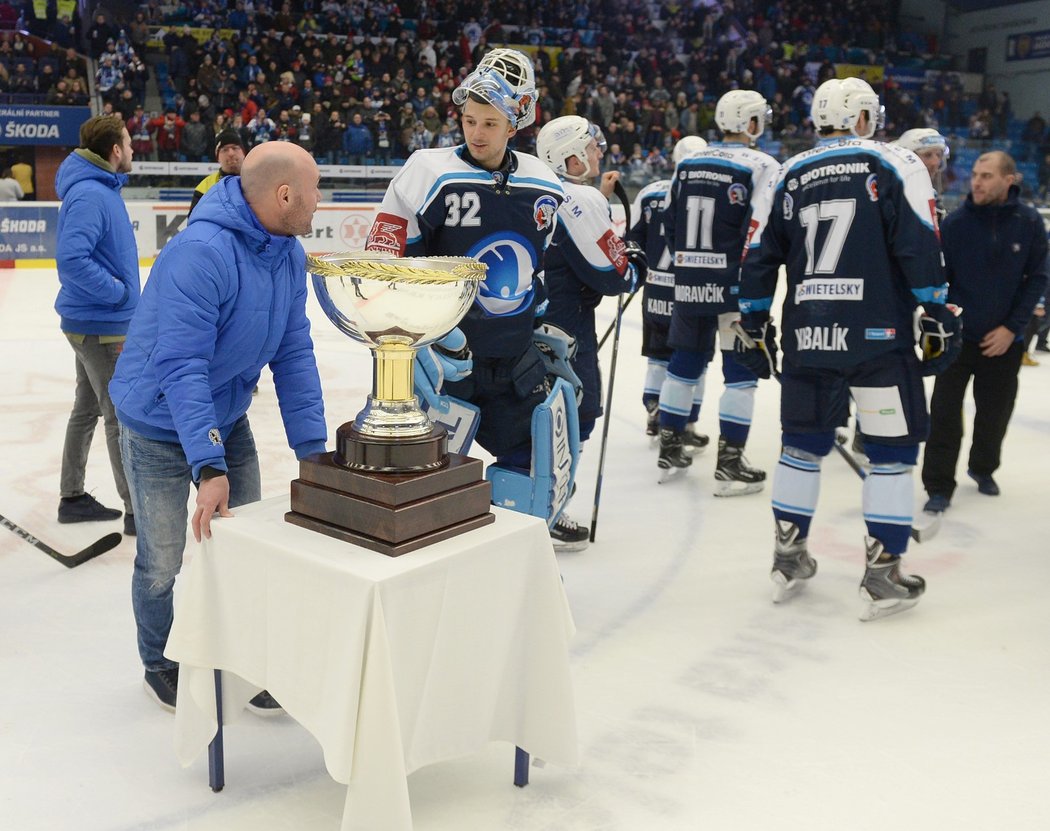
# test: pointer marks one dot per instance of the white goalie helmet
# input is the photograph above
(736, 108)
(838, 103)
(505, 79)
(562, 138)
(687, 146)
(925, 138)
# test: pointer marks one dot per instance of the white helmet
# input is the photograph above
(687, 146)
(925, 138)
(562, 138)
(838, 103)
(505, 79)
(737, 107)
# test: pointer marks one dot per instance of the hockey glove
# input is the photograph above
(756, 345)
(557, 348)
(938, 334)
(446, 360)
(636, 258)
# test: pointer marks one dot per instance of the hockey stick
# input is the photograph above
(96, 548)
(605, 421)
(621, 194)
(920, 535)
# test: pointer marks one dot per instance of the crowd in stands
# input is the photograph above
(370, 82)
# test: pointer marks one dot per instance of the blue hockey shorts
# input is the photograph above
(506, 390)
(654, 341)
(692, 333)
(888, 391)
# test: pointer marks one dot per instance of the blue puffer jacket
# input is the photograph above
(224, 299)
(98, 260)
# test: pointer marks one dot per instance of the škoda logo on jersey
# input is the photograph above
(389, 233)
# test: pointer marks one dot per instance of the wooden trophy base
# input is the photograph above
(392, 513)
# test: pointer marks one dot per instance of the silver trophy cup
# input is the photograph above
(394, 305)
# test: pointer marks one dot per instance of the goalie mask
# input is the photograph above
(505, 79)
(838, 103)
(564, 138)
(687, 146)
(737, 107)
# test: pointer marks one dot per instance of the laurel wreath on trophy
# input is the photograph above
(368, 265)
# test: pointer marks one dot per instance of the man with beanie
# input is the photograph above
(98, 274)
(229, 153)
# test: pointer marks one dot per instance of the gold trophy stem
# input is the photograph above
(393, 376)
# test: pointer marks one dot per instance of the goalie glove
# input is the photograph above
(756, 345)
(448, 359)
(636, 262)
(938, 334)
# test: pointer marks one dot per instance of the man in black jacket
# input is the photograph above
(995, 253)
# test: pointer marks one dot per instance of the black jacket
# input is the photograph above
(996, 264)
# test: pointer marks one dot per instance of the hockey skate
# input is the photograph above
(568, 535)
(673, 460)
(735, 477)
(792, 565)
(652, 419)
(884, 589)
(694, 443)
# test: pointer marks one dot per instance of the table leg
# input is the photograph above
(521, 767)
(216, 768)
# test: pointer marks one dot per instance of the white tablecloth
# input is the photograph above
(392, 663)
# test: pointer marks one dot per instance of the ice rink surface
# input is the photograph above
(701, 704)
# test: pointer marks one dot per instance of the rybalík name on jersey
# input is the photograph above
(822, 338)
(686, 259)
(707, 293)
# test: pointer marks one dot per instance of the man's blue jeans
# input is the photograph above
(160, 477)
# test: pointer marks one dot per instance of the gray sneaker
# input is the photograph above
(792, 565)
(884, 589)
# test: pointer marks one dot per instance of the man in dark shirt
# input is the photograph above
(995, 255)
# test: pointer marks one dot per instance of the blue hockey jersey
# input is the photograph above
(647, 230)
(718, 199)
(585, 261)
(440, 203)
(855, 223)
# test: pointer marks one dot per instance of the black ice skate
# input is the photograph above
(652, 420)
(735, 477)
(792, 565)
(673, 460)
(567, 535)
(694, 443)
(884, 589)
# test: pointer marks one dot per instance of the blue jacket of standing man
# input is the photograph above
(98, 273)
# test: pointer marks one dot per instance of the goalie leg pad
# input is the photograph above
(545, 490)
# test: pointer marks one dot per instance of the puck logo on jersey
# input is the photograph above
(511, 262)
(613, 247)
(543, 211)
(389, 233)
(871, 185)
(737, 194)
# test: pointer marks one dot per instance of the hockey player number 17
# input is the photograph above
(839, 212)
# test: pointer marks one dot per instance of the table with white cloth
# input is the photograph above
(391, 663)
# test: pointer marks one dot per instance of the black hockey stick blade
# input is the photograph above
(101, 546)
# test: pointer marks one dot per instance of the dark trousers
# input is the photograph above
(994, 391)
